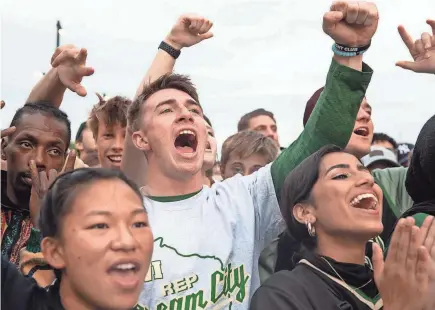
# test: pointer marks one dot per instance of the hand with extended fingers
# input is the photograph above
(189, 30)
(41, 181)
(71, 67)
(422, 50)
(403, 279)
(351, 23)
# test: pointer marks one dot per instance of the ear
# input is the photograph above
(53, 252)
(304, 213)
(140, 141)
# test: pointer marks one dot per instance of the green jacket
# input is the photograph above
(332, 122)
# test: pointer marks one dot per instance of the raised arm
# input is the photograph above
(68, 69)
(351, 25)
(187, 31)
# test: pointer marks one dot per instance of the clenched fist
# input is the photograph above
(189, 30)
(351, 23)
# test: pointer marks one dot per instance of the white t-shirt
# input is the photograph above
(206, 247)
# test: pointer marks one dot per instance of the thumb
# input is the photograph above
(332, 18)
(407, 65)
(377, 260)
(206, 36)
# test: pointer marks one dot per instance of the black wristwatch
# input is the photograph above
(169, 49)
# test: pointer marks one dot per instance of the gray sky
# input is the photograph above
(265, 53)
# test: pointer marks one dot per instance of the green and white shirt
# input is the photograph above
(207, 244)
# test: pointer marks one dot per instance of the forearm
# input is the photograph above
(333, 118)
(133, 160)
(49, 88)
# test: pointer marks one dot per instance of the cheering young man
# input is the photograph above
(208, 240)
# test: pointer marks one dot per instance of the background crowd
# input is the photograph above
(261, 224)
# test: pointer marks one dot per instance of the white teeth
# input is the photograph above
(125, 266)
(186, 132)
(358, 199)
(115, 158)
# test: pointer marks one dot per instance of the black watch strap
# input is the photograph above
(169, 49)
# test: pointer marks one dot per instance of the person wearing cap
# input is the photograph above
(380, 158)
(404, 153)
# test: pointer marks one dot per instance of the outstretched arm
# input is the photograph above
(187, 31)
(333, 118)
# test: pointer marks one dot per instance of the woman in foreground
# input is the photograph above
(97, 238)
(332, 208)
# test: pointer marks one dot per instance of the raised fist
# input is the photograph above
(352, 23)
(422, 50)
(189, 30)
(71, 67)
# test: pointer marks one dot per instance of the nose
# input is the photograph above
(185, 115)
(38, 155)
(365, 179)
(118, 143)
(363, 115)
(123, 239)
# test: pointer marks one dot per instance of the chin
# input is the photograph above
(358, 149)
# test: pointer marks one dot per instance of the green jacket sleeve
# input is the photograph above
(331, 122)
(392, 182)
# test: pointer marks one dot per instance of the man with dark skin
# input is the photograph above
(42, 133)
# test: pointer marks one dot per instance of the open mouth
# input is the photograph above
(126, 274)
(116, 159)
(366, 201)
(186, 142)
(361, 131)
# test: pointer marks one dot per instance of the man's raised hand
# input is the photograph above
(70, 62)
(422, 50)
(189, 30)
(41, 181)
(352, 23)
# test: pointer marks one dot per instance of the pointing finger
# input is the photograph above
(431, 22)
(406, 38)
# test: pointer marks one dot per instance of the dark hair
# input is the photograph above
(167, 81)
(208, 121)
(379, 136)
(79, 135)
(60, 195)
(43, 107)
(244, 120)
(110, 112)
(297, 188)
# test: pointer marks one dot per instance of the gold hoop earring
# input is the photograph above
(311, 229)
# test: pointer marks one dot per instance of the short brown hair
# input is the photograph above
(167, 81)
(110, 112)
(247, 143)
(244, 120)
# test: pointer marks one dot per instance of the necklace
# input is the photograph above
(335, 271)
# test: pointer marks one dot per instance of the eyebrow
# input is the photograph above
(107, 213)
(173, 101)
(346, 166)
(28, 136)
